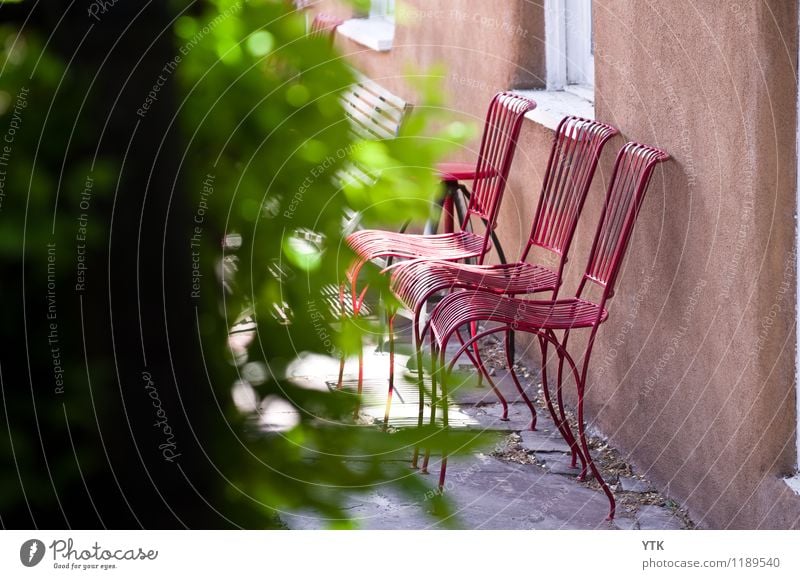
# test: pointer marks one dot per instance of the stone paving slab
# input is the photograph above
(558, 464)
(541, 442)
(469, 394)
(651, 517)
(487, 494)
(635, 485)
(489, 417)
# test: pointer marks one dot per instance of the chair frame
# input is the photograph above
(498, 144)
(630, 179)
(577, 145)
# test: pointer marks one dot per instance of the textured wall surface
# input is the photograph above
(693, 375)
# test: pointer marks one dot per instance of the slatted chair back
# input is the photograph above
(374, 114)
(573, 159)
(324, 25)
(373, 111)
(633, 169)
(498, 144)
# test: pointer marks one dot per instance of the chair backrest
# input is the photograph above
(573, 159)
(629, 181)
(374, 112)
(324, 25)
(498, 143)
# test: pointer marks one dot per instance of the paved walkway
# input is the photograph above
(489, 491)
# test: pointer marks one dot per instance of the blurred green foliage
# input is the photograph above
(257, 105)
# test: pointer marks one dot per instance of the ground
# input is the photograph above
(525, 482)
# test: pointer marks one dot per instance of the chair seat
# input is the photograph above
(460, 308)
(372, 243)
(461, 172)
(415, 281)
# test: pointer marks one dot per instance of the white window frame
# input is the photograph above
(376, 31)
(568, 51)
(382, 10)
(568, 46)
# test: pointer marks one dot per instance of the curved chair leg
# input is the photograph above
(358, 302)
(585, 446)
(580, 381)
(419, 343)
(477, 361)
(473, 330)
(343, 312)
(561, 424)
(445, 415)
(519, 387)
(390, 316)
(434, 403)
(421, 402)
(447, 369)
(562, 413)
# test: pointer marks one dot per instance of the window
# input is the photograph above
(382, 9)
(569, 58)
(377, 30)
(569, 45)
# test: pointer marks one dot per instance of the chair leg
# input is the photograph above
(445, 416)
(473, 330)
(478, 363)
(360, 384)
(564, 422)
(561, 424)
(358, 302)
(517, 384)
(391, 316)
(585, 446)
(434, 403)
(419, 343)
(421, 404)
(340, 382)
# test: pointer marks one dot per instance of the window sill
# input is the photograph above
(374, 33)
(552, 106)
(793, 483)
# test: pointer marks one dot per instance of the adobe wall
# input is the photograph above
(693, 375)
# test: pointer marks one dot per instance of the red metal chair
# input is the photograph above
(573, 159)
(324, 25)
(498, 143)
(632, 172)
